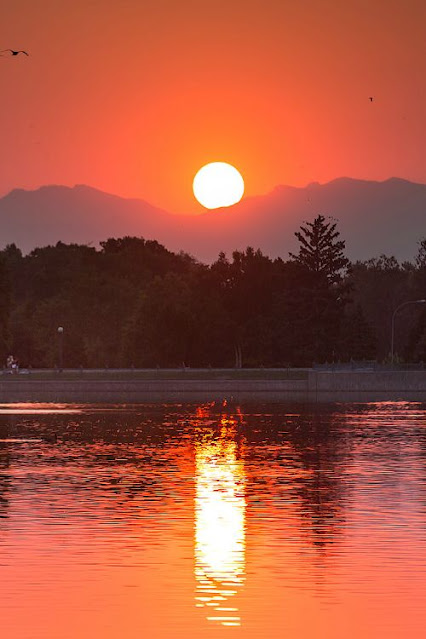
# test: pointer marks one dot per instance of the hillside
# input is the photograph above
(374, 217)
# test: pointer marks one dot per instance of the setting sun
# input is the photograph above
(218, 184)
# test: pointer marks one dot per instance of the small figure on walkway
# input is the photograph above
(12, 364)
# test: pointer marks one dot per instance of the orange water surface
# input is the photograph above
(170, 521)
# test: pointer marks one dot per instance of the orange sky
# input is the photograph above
(133, 97)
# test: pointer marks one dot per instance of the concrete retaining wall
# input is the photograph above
(368, 385)
(319, 386)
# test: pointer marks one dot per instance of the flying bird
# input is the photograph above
(371, 99)
(12, 52)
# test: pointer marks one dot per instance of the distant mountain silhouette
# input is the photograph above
(374, 217)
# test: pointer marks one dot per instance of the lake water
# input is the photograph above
(171, 521)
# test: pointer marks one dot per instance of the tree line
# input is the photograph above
(134, 303)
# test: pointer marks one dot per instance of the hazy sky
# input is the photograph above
(133, 96)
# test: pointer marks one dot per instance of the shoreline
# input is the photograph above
(192, 385)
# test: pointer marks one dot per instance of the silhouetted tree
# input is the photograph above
(161, 330)
(134, 302)
(379, 286)
(326, 290)
(5, 298)
(421, 254)
(416, 348)
(358, 340)
(321, 250)
(247, 288)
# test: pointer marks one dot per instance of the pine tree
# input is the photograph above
(325, 290)
(321, 250)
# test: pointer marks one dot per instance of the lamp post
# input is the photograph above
(61, 347)
(393, 321)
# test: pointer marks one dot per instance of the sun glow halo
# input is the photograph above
(218, 184)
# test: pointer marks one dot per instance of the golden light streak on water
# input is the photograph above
(220, 512)
(38, 408)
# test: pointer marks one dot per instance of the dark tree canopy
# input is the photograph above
(132, 301)
(5, 294)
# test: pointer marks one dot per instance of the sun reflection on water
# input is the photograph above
(220, 506)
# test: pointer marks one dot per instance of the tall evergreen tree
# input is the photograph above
(325, 290)
(321, 250)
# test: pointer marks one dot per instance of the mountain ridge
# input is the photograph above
(374, 217)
